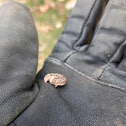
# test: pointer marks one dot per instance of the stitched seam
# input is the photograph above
(108, 64)
(68, 47)
(82, 17)
(78, 17)
(70, 56)
(50, 59)
(74, 33)
(81, 33)
(97, 31)
(85, 24)
(103, 72)
(71, 33)
(79, 36)
(61, 41)
(112, 31)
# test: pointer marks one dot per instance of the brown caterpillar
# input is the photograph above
(55, 79)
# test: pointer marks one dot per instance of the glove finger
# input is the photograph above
(78, 28)
(81, 20)
(110, 34)
(18, 60)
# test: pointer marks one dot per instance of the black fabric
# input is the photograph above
(18, 60)
(95, 71)
(82, 102)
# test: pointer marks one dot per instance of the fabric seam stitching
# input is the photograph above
(50, 59)
(85, 24)
(108, 64)
(80, 33)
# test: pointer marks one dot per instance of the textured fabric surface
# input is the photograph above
(18, 60)
(81, 102)
(95, 68)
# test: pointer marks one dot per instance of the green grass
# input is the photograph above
(51, 17)
(35, 2)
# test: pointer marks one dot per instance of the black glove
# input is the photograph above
(94, 94)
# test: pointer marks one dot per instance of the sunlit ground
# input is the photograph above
(50, 17)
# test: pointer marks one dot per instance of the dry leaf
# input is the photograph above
(1, 3)
(43, 28)
(52, 4)
(61, 0)
(42, 47)
(70, 4)
(44, 8)
(58, 25)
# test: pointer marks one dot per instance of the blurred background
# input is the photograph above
(50, 17)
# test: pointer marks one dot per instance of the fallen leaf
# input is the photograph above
(58, 25)
(1, 3)
(61, 0)
(45, 8)
(60, 8)
(70, 4)
(52, 4)
(42, 47)
(43, 28)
